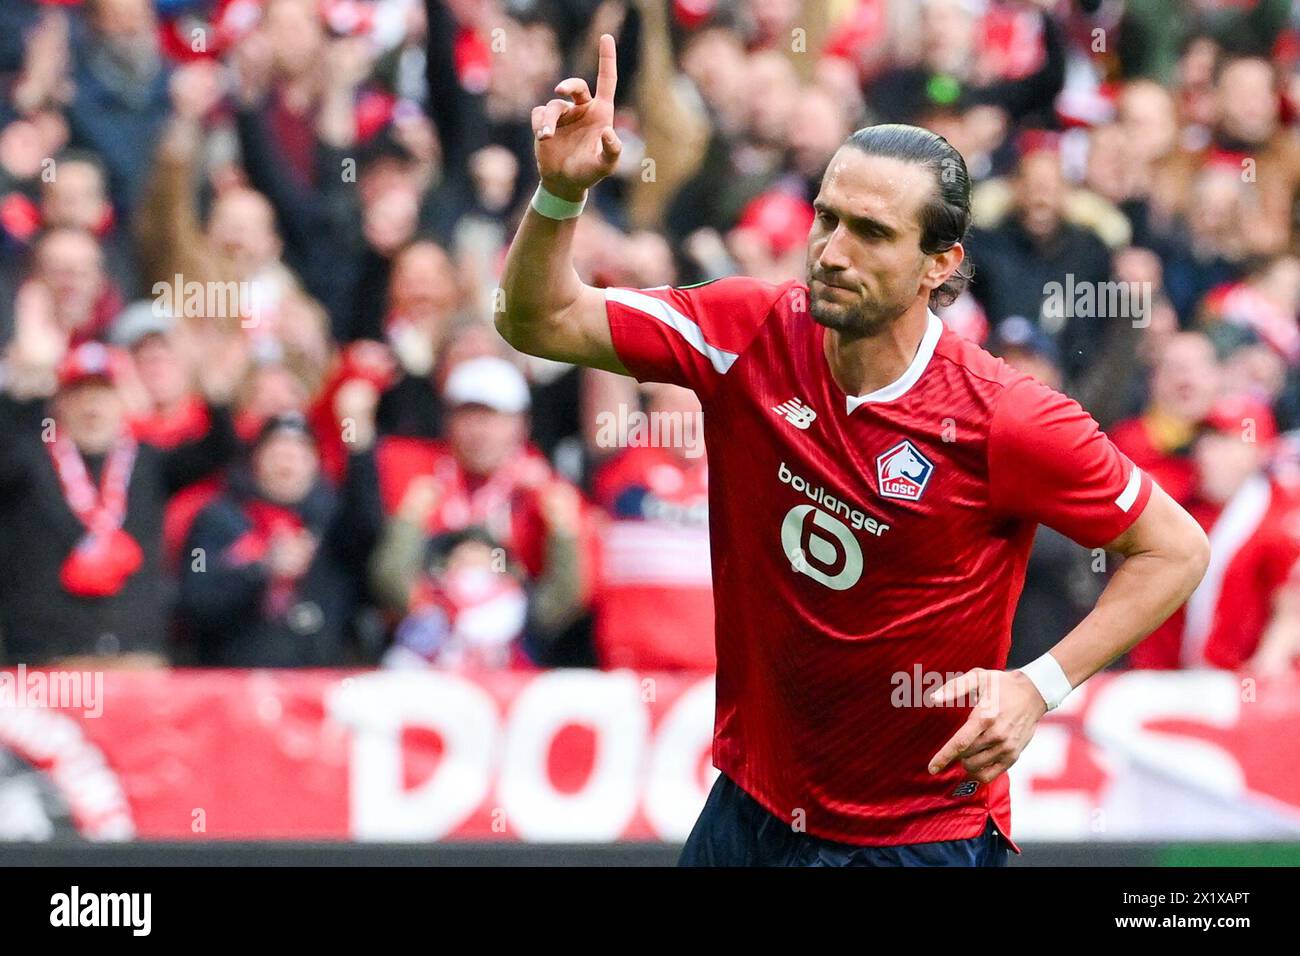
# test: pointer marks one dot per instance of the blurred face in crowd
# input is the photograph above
(161, 369)
(21, 149)
(1108, 163)
(714, 60)
(1214, 211)
(948, 36)
(1281, 282)
(541, 58)
(128, 32)
(494, 170)
(817, 128)
(1224, 460)
(295, 31)
(1247, 100)
(123, 20)
(1147, 120)
(1185, 381)
(285, 467)
(649, 259)
(1040, 193)
(271, 390)
(242, 229)
(773, 18)
(390, 205)
(71, 265)
(91, 414)
(483, 439)
(865, 263)
(75, 197)
(772, 87)
(1255, 369)
(423, 284)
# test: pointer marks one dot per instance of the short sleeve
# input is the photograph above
(688, 335)
(1050, 463)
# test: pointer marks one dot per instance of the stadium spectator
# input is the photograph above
(1035, 247)
(120, 77)
(75, 196)
(458, 601)
(654, 595)
(274, 569)
(83, 509)
(1242, 614)
(70, 263)
(1184, 385)
(488, 477)
(422, 298)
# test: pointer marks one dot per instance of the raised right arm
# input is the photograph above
(547, 310)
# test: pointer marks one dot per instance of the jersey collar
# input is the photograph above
(903, 384)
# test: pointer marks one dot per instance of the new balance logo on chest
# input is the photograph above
(796, 413)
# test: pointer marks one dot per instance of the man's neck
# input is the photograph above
(862, 364)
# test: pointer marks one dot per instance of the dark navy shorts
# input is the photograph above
(734, 829)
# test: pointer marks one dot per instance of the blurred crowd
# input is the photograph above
(255, 412)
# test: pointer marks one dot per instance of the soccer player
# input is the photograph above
(876, 482)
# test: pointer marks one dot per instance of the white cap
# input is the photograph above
(138, 320)
(488, 381)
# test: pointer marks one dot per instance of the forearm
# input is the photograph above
(1147, 588)
(539, 284)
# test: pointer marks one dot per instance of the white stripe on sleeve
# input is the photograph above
(1130, 492)
(720, 359)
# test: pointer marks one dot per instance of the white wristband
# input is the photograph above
(553, 207)
(1046, 675)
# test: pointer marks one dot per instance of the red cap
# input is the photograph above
(781, 219)
(1242, 415)
(89, 360)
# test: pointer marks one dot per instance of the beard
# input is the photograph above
(851, 312)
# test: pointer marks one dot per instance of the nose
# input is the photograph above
(834, 253)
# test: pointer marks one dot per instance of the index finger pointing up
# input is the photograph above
(607, 74)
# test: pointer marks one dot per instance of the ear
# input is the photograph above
(942, 266)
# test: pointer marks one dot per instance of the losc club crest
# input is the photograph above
(903, 472)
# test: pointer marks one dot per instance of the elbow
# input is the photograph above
(507, 329)
(1195, 551)
(522, 335)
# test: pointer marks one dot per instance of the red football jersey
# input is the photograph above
(864, 548)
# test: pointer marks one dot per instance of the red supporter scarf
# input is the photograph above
(488, 504)
(106, 556)
(268, 521)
